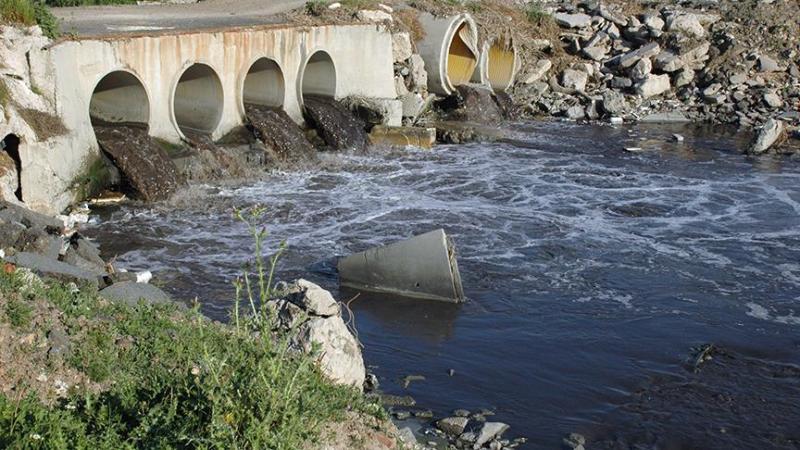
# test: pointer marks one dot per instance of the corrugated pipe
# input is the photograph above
(450, 51)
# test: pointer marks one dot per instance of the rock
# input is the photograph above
(614, 17)
(772, 132)
(642, 69)
(665, 117)
(596, 53)
(39, 223)
(576, 112)
(402, 415)
(677, 137)
(574, 441)
(738, 78)
(621, 83)
(313, 299)
(367, 15)
(614, 103)
(667, 61)
(579, 20)
(684, 77)
(615, 120)
(9, 178)
(695, 55)
(471, 103)
(401, 46)
(418, 75)
(461, 413)
(130, 293)
(400, 88)
(375, 111)
(686, 23)
(50, 268)
(412, 104)
(541, 44)
(339, 355)
(645, 51)
(653, 85)
(574, 79)
(490, 431)
(653, 22)
(407, 436)
(767, 64)
(386, 8)
(59, 343)
(773, 100)
(396, 400)
(539, 70)
(453, 426)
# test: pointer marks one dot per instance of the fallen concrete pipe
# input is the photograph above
(449, 49)
(120, 97)
(422, 267)
(498, 64)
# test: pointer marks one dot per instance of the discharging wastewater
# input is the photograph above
(590, 273)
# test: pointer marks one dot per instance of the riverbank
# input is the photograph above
(93, 357)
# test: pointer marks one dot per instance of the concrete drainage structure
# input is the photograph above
(450, 51)
(498, 64)
(193, 81)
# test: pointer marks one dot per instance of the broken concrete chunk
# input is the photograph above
(573, 20)
(403, 136)
(772, 132)
(423, 267)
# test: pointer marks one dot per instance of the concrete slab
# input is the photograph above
(422, 267)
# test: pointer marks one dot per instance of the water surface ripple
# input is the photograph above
(588, 269)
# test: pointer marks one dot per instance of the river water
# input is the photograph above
(589, 270)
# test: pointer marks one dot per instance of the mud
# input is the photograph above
(277, 131)
(335, 124)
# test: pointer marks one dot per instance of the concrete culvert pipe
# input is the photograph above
(319, 76)
(264, 84)
(119, 97)
(450, 51)
(198, 98)
(498, 64)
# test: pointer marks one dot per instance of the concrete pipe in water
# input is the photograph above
(119, 97)
(450, 51)
(318, 76)
(198, 98)
(498, 64)
(264, 84)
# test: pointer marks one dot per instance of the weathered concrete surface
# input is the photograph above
(421, 267)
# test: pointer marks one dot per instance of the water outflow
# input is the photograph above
(145, 167)
(335, 124)
(587, 269)
(277, 130)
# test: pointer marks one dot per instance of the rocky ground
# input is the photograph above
(700, 61)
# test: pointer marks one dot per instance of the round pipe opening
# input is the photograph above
(264, 84)
(197, 102)
(10, 160)
(461, 58)
(119, 97)
(319, 76)
(501, 63)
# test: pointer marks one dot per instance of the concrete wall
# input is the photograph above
(361, 56)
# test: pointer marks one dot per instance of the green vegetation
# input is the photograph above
(316, 7)
(536, 13)
(18, 312)
(170, 378)
(29, 12)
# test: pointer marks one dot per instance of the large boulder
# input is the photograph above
(131, 293)
(50, 268)
(771, 133)
(574, 79)
(317, 322)
(687, 24)
(653, 85)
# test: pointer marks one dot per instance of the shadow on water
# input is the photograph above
(427, 320)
